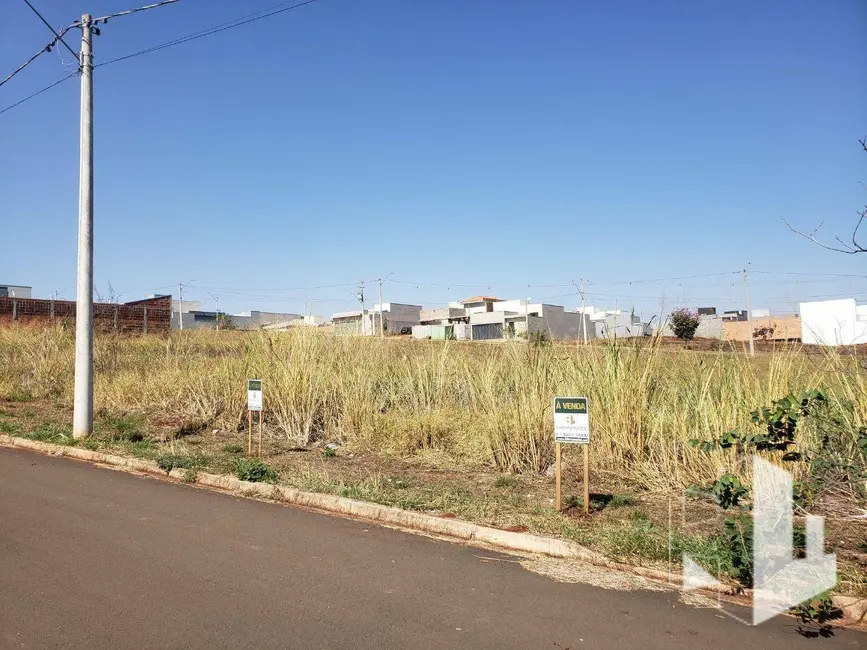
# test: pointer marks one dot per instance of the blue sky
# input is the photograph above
(494, 144)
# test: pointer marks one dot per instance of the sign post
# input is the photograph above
(572, 425)
(254, 403)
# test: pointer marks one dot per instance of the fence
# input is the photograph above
(139, 317)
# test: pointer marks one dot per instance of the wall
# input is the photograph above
(709, 327)
(564, 325)
(620, 325)
(832, 322)
(787, 327)
(441, 315)
(154, 314)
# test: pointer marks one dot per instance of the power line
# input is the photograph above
(681, 277)
(38, 92)
(59, 37)
(104, 19)
(45, 49)
(815, 275)
(238, 22)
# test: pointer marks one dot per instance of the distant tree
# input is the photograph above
(684, 322)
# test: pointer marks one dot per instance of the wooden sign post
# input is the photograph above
(254, 403)
(572, 425)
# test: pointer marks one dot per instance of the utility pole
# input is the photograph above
(216, 308)
(181, 302)
(180, 306)
(82, 419)
(583, 312)
(381, 314)
(527, 316)
(360, 296)
(749, 311)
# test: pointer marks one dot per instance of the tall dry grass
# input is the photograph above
(478, 404)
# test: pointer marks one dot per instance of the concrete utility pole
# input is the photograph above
(381, 314)
(181, 287)
(180, 306)
(749, 311)
(82, 420)
(360, 296)
(216, 308)
(583, 312)
(527, 316)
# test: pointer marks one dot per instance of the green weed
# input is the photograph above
(254, 471)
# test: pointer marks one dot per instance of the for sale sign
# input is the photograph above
(571, 420)
(254, 394)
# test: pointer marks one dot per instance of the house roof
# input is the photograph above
(480, 299)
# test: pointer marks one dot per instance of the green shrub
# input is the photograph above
(254, 471)
(168, 462)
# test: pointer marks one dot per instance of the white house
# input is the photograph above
(833, 322)
(395, 318)
(511, 318)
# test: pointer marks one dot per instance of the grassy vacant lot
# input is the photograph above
(459, 429)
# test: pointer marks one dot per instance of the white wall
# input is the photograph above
(832, 322)
(621, 325)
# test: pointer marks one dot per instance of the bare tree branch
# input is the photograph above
(847, 249)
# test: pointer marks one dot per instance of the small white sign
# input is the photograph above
(254, 394)
(571, 420)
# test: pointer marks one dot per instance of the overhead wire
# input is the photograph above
(104, 19)
(39, 92)
(238, 22)
(45, 49)
(59, 37)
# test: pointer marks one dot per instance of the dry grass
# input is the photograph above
(474, 405)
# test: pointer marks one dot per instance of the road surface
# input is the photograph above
(95, 558)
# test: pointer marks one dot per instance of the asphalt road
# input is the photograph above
(95, 558)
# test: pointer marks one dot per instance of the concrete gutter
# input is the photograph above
(854, 608)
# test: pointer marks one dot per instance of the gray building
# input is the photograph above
(15, 291)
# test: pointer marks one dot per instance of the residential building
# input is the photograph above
(833, 322)
(196, 319)
(454, 313)
(443, 323)
(618, 324)
(734, 315)
(15, 291)
(511, 318)
(479, 304)
(391, 317)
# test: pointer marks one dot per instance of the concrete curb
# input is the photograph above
(854, 608)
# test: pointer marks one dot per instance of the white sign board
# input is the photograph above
(254, 394)
(571, 420)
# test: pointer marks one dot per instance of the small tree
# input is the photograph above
(684, 323)
(225, 321)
